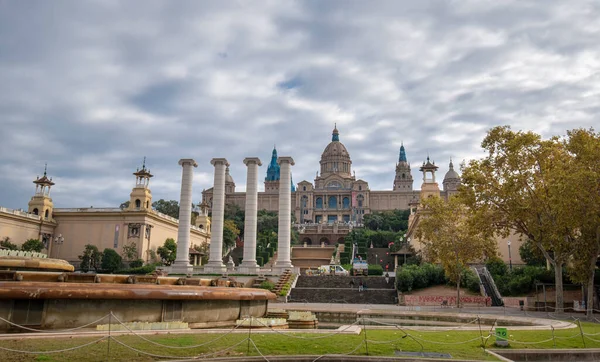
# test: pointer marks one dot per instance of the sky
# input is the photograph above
(92, 87)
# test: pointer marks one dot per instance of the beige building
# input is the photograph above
(336, 196)
(66, 231)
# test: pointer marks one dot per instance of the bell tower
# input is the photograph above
(41, 203)
(403, 180)
(203, 220)
(429, 187)
(140, 198)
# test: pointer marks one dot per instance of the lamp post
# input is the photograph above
(509, 256)
(59, 240)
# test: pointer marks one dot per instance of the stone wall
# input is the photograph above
(337, 289)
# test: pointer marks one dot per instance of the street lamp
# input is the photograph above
(509, 256)
(59, 240)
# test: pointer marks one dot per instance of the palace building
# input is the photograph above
(66, 231)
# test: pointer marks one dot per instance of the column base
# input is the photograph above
(248, 268)
(215, 267)
(182, 267)
(281, 266)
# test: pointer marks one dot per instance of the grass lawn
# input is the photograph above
(380, 342)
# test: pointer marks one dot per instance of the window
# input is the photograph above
(346, 203)
(319, 203)
(35, 211)
(47, 213)
(303, 188)
(359, 188)
(138, 203)
(360, 199)
(332, 202)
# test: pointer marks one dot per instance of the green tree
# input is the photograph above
(230, 234)
(513, 186)
(130, 251)
(450, 234)
(111, 260)
(90, 259)
(580, 205)
(204, 248)
(531, 255)
(168, 252)
(373, 221)
(170, 207)
(237, 215)
(7, 244)
(33, 245)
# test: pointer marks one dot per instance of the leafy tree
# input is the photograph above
(579, 205)
(130, 251)
(266, 221)
(514, 186)
(531, 255)
(7, 244)
(451, 235)
(170, 207)
(33, 245)
(237, 215)
(230, 234)
(90, 259)
(124, 205)
(204, 248)
(373, 221)
(111, 260)
(168, 252)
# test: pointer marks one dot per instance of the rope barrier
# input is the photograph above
(290, 334)
(175, 347)
(53, 330)
(55, 351)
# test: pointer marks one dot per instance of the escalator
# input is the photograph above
(490, 287)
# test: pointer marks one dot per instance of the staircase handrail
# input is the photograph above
(481, 287)
(492, 284)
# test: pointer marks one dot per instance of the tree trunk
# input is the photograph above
(589, 303)
(458, 292)
(559, 287)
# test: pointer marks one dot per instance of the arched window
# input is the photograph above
(138, 203)
(303, 188)
(47, 213)
(403, 176)
(360, 199)
(304, 201)
(332, 202)
(35, 211)
(319, 203)
(346, 202)
(147, 204)
(359, 187)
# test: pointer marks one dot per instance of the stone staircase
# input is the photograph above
(258, 281)
(338, 289)
(271, 262)
(283, 279)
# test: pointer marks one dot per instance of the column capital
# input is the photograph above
(219, 161)
(191, 161)
(249, 160)
(285, 159)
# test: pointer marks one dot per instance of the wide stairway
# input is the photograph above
(338, 289)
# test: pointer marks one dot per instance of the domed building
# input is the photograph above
(328, 208)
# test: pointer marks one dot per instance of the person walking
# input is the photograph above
(352, 283)
(387, 278)
(360, 286)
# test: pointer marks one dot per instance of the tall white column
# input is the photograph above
(182, 262)
(215, 261)
(249, 262)
(285, 210)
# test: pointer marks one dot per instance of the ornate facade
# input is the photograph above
(337, 197)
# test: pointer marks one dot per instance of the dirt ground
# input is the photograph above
(442, 290)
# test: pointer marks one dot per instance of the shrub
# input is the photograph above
(345, 257)
(33, 245)
(496, 267)
(143, 270)
(136, 263)
(420, 279)
(404, 280)
(268, 285)
(7, 244)
(259, 261)
(470, 281)
(111, 260)
(375, 269)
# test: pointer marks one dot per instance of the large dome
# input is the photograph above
(451, 175)
(335, 157)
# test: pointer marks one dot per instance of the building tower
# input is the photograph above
(429, 187)
(41, 203)
(451, 181)
(403, 180)
(335, 159)
(140, 198)
(202, 220)
(229, 183)
(273, 176)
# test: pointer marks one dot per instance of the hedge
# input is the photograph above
(375, 269)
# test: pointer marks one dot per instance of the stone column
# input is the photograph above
(249, 262)
(182, 262)
(215, 261)
(285, 219)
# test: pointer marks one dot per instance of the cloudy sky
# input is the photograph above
(91, 87)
